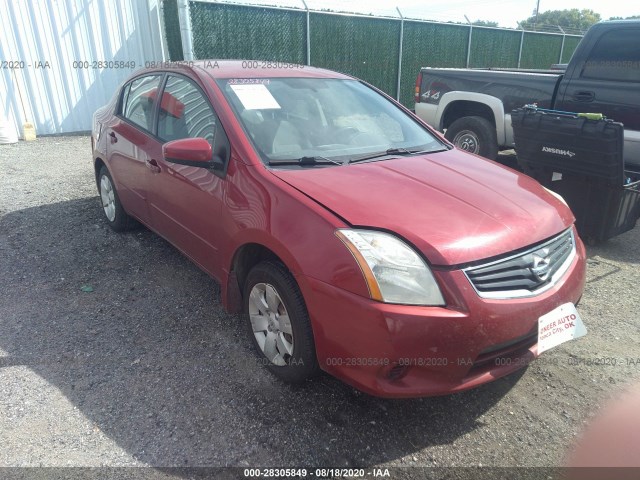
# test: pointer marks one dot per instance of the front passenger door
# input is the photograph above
(185, 201)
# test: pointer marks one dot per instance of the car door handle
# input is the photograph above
(114, 139)
(152, 165)
(584, 96)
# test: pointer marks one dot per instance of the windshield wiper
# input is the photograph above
(391, 151)
(316, 160)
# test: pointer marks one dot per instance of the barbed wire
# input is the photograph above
(437, 18)
(551, 28)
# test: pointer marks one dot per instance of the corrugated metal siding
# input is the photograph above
(62, 97)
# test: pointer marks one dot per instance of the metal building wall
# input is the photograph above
(60, 96)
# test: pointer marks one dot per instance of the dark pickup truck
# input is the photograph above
(472, 106)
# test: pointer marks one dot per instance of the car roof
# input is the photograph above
(622, 21)
(262, 69)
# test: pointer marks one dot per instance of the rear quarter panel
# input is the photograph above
(102, 117)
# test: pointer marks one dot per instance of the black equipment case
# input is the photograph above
(581, 159)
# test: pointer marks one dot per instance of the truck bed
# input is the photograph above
(514, 87)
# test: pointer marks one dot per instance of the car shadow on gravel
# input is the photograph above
(135, 337)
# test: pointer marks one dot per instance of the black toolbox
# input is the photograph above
(581, 159)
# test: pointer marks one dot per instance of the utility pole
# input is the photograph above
(535, 23)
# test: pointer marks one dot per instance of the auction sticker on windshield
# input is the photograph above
(255, 97)
(559, 326)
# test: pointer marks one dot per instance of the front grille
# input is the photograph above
(527, 273)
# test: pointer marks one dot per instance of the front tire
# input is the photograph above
(475, 135)
(278, 322)
(117, 218)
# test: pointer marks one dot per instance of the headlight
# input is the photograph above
(557, 195)
(393, 271)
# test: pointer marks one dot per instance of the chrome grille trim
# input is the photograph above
(515, 276)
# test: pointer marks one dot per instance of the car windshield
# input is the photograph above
(317, 121)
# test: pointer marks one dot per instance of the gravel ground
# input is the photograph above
(148, 370)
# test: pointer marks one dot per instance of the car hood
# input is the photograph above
(453, 206)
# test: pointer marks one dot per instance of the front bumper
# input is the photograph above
(411, 351)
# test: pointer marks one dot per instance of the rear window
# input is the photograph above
(138, 99)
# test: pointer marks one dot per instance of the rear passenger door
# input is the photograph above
(608, 82)
(185, 202)
(131, 144)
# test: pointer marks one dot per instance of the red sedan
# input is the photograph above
(351, 236)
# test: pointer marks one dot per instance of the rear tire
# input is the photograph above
(278, 323)
(116, 217)
(475, 135)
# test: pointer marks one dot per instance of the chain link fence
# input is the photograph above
(386, 52)
(233, 31)
(172, 29)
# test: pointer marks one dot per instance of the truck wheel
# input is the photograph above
(475, 135)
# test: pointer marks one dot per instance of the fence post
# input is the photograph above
(161, 30)
(308, 34)
(520, 51)
(562, 47)
(469, 44)
(186, 34)
(398, 85)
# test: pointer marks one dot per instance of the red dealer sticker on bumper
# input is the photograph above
(559, 326)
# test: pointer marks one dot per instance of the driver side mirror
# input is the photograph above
(194, 152)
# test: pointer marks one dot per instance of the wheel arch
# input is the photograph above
(97, 166)
(245, 257)
(455, 105)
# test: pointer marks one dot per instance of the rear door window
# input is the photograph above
(139, 99)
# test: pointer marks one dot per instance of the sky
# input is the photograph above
(506, 12)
